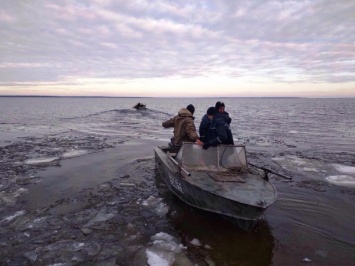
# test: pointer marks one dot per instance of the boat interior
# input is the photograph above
(223, 163)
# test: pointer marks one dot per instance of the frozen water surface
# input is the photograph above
(79, 186)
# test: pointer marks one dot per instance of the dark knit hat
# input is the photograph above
(219, 104)
(191, 108)
(212, 111)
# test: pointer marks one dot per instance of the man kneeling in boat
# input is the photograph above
(184, 127)
(218, 132)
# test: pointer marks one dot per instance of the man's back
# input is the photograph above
(184, 127)
(219, 132)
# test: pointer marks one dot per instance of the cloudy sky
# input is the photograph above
(178, 48)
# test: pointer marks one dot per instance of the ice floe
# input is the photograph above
(346, 177)
(155, 259)
(101, 216)
(41, 161)
(159, 206)
(73, 153)
(195, 242)
(341, 180)
(310, 169)
(290, 158)
(163, 250)
(12, 217)
(345, 169)
(10, 198)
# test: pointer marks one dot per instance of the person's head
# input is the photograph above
(211, 112)
(191, 108)
(220, 106)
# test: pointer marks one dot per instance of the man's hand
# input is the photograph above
(206, 145)
(199, 142)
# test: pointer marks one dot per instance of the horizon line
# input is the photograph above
(98, 96)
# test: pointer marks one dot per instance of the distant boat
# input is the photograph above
(139, 106)
(216, 180)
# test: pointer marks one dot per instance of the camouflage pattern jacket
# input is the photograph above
(184, 127)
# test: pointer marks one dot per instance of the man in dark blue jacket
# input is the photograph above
(218, 132)
(205, 122)
(221, 109)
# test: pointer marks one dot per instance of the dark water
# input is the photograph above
(78, 184)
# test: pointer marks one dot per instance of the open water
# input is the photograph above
(78, 184)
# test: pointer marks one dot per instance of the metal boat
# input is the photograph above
(217, 180)
(139, 106)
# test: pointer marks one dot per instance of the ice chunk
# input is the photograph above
(291, 159)
(162, 209)
(162, 236)
(127, 184)
(306, 260)
(345, 169)
(158, 260)
(11, 197)
(150, 201)
(41, 161)
(164, 241)
(309, 169)
(12, 217)
(195, 242)
(31, 255)
(73, 153)
(341, 180)
(101, 216)
(164, 250)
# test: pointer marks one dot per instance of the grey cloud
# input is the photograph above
(49, 41)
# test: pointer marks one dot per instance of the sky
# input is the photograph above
(178, 48)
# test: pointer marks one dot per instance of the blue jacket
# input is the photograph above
(219, 132)
(226, 117)
(204, 126)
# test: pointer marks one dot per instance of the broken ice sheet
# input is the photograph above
(101, 216)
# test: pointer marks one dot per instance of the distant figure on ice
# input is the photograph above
(184, 127)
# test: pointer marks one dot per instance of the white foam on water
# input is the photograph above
(73, 153)
(41, 161)
(344, 169)
(341, 180)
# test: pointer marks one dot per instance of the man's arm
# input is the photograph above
(168, 123)
(226, 117)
